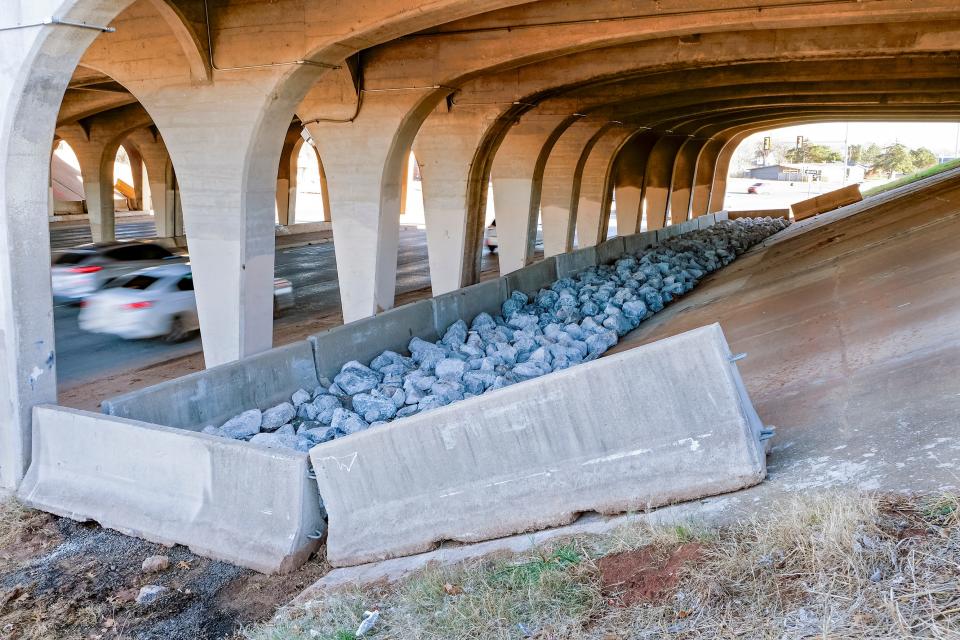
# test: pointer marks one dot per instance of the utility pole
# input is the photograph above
(956, 143)
(846, 154)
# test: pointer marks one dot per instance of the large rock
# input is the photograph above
(275, 417)
(275, 440)
(356, 378)
(243, 426)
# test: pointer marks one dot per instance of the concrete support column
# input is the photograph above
(226, 170)
(363, 162)
(446, 148)
(287, 177)
(629, 170)
(96, 171)
(162, 194)
(324, 190)
(718, 191)
(684, 169)
(517, 176)
(560, 194)
(703, 178)
(404, 186)
(28, 111)
(136, 172)
(596, 186)
(656, 183)
(155, 158)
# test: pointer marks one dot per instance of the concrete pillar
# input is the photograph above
(363, 162)
(560, 193)
(656, 182)
(404, 186)
(629, 171)
(446, 149)
(153, 153)
(226, 169)
(596, 186)
(136, 172)
(324, 191)
(703, 178)
(287, 177)
(96, 171)
(684, 168)
(517, 176)
(28, 109)
(718, 190)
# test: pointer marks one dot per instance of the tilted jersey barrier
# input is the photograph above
(145, 469)
(613, 435)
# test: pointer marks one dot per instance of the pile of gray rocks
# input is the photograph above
(575, 320)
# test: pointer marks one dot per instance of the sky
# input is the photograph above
(939, 137)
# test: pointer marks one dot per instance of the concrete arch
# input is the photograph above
(186, 36)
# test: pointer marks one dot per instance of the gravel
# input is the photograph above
(575, 320)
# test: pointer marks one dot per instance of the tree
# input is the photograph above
(922, 158)
(896, 158)
(864, 155)
(813, 153)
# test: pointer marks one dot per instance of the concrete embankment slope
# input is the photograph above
(851, 323)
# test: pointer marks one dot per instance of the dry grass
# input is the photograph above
(830, 566)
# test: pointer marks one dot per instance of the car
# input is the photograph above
(158, 302)
(490, 237)
(755, 188)
(77, 273)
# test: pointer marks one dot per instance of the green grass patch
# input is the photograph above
(831, 565)
(913, 177)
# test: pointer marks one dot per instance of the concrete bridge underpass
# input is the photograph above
(561, 107)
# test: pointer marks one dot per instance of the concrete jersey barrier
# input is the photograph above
(214, 395)
(75, 449)
(617, 434)
(244, 504)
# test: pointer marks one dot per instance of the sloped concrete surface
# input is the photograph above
(851, 323)
(614, 435)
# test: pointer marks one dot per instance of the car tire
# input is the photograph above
(177, 332)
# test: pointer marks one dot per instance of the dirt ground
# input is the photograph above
(68, 581)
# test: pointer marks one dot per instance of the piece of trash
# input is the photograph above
(369, 619)
(452, 589)
(525, 630)
(876, 576)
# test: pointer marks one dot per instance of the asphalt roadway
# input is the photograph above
(83, 356)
